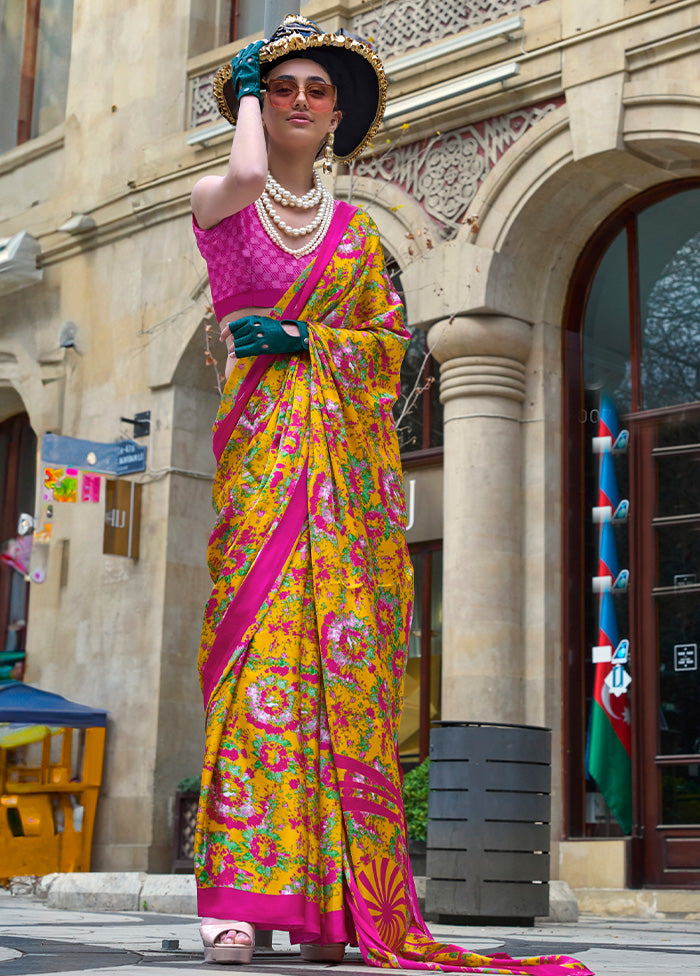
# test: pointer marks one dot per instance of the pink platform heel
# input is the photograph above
(212, 930)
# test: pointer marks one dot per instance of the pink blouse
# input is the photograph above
(246, 269)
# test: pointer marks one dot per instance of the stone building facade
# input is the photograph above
(521, 140)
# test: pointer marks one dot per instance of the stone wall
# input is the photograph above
(619, 83)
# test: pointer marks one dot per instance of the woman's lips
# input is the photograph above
(299, 118)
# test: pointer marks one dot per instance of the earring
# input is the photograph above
(328, 153)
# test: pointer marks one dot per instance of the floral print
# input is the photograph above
(302, 659)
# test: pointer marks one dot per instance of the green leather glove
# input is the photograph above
(245, 71)
(257, 335)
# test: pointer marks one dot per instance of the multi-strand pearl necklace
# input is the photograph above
(271, 220)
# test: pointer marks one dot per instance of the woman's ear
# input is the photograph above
(335, 120)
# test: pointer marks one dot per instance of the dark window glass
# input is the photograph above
(424, 653)
(30, 111)
(680, 791)
(669, 285)
(606, 348)
(247, 18)
(11, 47)
(52, 64)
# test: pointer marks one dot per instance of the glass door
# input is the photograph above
(668, 615)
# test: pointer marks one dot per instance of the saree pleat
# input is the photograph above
(301, 824)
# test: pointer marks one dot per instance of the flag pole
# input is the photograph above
(276, 11)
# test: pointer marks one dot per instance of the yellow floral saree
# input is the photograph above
(301, 823)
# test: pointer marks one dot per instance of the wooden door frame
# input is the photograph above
(573, 527)
(427, 549)
(17, 427)
(650, 762)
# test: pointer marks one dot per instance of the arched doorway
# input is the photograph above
(632, 349)
(17, 488)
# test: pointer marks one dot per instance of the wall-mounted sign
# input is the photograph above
(423, 489)
(124, 457)
(685, 579)
(122, 518)
(685, 657)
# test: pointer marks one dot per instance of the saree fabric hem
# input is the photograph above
(301, 823)
(285, 913)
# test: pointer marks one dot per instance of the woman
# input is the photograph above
(301, 824)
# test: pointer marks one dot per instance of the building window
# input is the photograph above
(247, 18)
(35, 45)
(421, 704)
(632, 355)
(418, 411)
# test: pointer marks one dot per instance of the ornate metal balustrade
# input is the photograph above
(444, 172)
(395, 27)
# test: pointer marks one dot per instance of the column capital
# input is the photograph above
(480, 335)
(481, 356)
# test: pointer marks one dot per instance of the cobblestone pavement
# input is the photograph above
(36, 939)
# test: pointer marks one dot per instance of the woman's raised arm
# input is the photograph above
(216, 197)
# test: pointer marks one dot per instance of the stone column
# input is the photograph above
(482, 386)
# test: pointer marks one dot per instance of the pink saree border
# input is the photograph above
(287, 913)
(222, 434)
(268, 564)
(339, 224)
(241, 612)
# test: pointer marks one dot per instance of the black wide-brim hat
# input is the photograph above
(353, 67)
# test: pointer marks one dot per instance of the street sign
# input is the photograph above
(122, 457)
(131, 458)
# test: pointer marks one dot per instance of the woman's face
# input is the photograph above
(302, 123)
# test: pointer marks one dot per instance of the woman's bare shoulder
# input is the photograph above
(214, 198)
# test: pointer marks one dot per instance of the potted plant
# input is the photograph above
(415, 801)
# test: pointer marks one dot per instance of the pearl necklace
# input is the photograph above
(269, 217)
(288, 199)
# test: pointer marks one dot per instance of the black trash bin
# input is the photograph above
(488, 822)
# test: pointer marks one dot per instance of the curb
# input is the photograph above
(124, 891)
(176, 894)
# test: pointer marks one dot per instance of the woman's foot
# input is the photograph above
(313, 952)
(226, 941)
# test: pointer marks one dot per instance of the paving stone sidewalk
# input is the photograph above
(36, 939)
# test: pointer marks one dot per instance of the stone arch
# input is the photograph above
(540, 204)
(401, 221)
(22, 388)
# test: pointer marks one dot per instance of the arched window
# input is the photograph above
(632, 363)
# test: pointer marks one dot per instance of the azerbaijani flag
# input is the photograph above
(609, 740)
(608, 494)
(608, 565)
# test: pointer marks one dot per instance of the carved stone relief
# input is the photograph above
(204, 107)
(444, 172)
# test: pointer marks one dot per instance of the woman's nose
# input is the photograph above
(301, 98)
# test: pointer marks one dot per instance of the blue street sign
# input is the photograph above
(132, 458)
(124, 457)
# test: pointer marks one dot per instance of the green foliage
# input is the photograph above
(415, 801)
(190, 784)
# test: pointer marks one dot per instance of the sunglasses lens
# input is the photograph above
(283, 93)
(322, 96)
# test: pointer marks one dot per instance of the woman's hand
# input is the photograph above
(225, 336)
(245, 72)
(256, 335)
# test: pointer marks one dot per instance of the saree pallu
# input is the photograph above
(301, 824)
